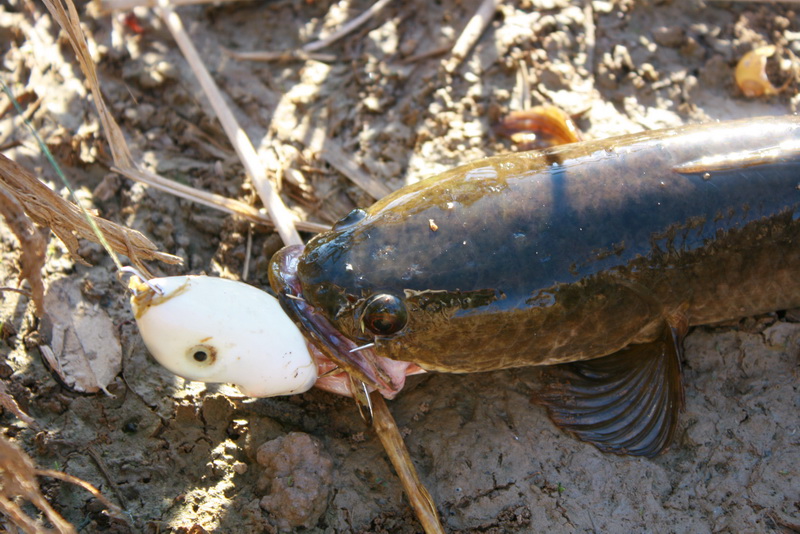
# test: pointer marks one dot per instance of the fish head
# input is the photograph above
(222, 331)
(374, 281)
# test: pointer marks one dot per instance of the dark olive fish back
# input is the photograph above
(574, 252)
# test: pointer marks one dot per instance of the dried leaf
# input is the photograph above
(84, 351)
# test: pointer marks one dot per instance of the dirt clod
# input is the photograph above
(297, 477)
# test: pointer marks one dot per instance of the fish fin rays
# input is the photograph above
(625, 403)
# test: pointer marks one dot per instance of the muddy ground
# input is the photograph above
(178, 455)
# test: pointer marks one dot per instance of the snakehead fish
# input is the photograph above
(592, 258)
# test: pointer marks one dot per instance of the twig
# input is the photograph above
(346, 27)
(280, 214)
(305, 53)
(102, 466)
(387, 431)
(289, 55)
(29, 112)
(472, 33)
(18, 479)
(16, 290)
(10, 403)
(66, 477)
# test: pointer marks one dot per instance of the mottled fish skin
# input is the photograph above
(574, 252)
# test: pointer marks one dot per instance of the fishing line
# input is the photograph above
(121, 269)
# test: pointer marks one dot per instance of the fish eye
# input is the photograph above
(384, 315)
(202, 355)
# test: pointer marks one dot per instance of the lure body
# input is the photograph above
(215, 330)
(568, 254)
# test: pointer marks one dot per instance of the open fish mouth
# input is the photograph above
(337, 356)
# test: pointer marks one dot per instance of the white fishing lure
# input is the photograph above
(216, 330)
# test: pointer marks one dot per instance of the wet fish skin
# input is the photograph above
(596, 256)
(575, 252)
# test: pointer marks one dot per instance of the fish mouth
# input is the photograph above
(334, 353)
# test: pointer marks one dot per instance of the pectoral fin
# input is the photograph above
(625, 403)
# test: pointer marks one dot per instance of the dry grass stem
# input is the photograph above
(307, 51)
(64, 12)
(67, 221)
(472, 33)
(18, 480)
(346, 27)
(392, 441)
(213, 200)
(280, 214)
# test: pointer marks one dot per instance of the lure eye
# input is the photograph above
(202, 355)
(384, 315)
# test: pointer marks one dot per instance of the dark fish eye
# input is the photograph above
(384, 315)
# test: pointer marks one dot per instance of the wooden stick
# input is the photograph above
(280, 214)
(472, 33)
(387, 431)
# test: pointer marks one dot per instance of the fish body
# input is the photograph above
(578, 253)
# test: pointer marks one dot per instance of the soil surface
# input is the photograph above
(181, 457)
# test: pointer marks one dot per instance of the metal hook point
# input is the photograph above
(134, 287)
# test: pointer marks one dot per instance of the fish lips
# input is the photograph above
(361, 363)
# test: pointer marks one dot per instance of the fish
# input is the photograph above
(591, 259)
